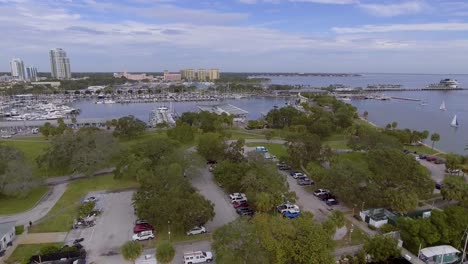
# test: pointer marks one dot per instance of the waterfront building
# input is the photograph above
(134, 76)
(51, 84)
(238, 114)
(213, 74)
(17, 69)
(31, 73)
(59, 64)
(201, 75)
(188, 74)
(172, 77)
(5, 78)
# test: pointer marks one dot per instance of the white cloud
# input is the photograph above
(389, 10)
(333, 2)
(402, 28)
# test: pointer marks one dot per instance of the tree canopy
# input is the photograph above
(128, 127)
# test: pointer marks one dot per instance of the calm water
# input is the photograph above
(408, 114)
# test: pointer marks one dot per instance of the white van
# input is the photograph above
(197, 257)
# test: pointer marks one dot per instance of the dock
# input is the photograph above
(239, 114)
(405, 98)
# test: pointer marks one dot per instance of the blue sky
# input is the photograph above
(399, 36)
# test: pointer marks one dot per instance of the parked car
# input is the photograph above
(299, 175)
(324, 197)
(144, 235)
(292, 172)
(241, 210)
(422, 156)
(283, 166)
(331, 201)
(454, 171)
(431, 158)
(141, 221)
(438, 186)
(305, 181)
(239, 199)
(439, 161)
(193, 257)
(291, 213)
(90, 199)
(196, 231)
(246, 213)
(240, 204)
(320, 192)
(142, 227)
(6, 136)
(234, 195)
(286, 206)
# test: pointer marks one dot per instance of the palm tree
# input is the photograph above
(434, 138)
(366, 114)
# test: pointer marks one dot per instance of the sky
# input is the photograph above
(379, 36)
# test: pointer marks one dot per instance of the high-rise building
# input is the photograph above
(31, 73)
(59, 64)
(188, 74)
(213, 74)
(17, 69)
(201, 75)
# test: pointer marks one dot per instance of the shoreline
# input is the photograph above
(421, 143)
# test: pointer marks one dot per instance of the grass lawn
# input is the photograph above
(422, 149)
(279, 150)
(162, 235)
(13, 205)
(22, 253)
(336, 141)
(62, 215)
(238, 134)
(352, 238)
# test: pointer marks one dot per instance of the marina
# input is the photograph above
(162, 115)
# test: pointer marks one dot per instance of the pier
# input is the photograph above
(405, 98)
(240, 115)
(161, 115)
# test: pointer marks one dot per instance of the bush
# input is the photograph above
(19, 230)
(371, 227)
(49, 250)
(86, 209)
(165, 252)
(358, 217)
(387, 228)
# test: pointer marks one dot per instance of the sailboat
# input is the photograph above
(454, 121)
(442, 106)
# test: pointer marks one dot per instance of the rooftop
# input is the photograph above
(223, 108)
(438, 250)
(6, 227)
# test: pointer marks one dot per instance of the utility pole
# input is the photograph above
(464, 248)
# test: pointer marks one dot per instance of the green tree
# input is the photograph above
(46, 129)
(181, 132)
(455, 188)
(269, 134)
(366, 115)
(211, 146)
(394, 124)
(453, 161)
(131, 250)
(434, 138)
(381, 248)
(304, 148)
(165, 252)
(128, 127)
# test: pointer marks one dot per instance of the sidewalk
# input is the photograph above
(40, 238)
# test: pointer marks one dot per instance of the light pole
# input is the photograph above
(169, 230)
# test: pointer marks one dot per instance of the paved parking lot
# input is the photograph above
(308, 202)
(113, 228)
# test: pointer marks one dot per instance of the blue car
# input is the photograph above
(291, 214)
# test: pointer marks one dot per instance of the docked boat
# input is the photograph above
(162, 115)
(445, 84)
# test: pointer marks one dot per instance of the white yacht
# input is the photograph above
(445, 84)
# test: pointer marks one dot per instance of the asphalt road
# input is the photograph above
(224, 211)
(113, 228)
(40, 210)
(203, 245)
(437, 170)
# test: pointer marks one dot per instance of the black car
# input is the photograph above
(438, 186)
(291, 173)
(247, 213)
(327, 196)
(283, 166)
(242, 209)
(422, 157)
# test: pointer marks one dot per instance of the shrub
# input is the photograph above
(371, 227)
(86, 209)
(19, 230)
(358, 217)
(49, 250)
(387, 228)
(165, 252)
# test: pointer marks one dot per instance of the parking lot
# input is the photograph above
(113, 228)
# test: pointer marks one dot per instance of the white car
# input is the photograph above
(197, 257)
(235, 195)
(196, 231)
(6, 136)
(287, 206)
(239, 199)
(319, 192)
(298, 174)
(145, 235)
(90, 199)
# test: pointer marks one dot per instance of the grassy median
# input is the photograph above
(14, 205)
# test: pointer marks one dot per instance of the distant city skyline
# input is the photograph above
(351, 36)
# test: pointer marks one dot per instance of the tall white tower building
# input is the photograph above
(59, 64)
(31, 73)
(17, 69)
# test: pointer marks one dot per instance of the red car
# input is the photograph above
(240, 204)
(142, 227)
